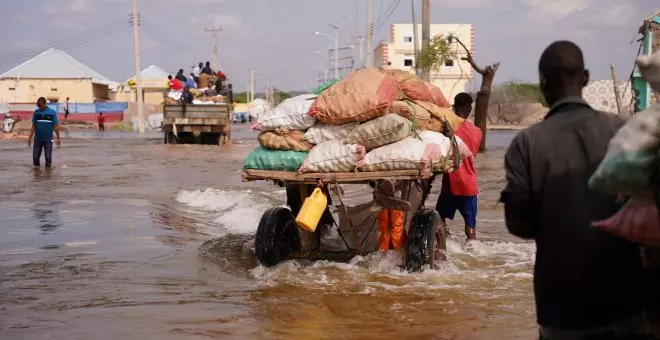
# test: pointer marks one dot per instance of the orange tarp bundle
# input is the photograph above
(392, 229)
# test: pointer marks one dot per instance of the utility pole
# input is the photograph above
(370, 31)
(415, 38)
(251, 94)
(138, 71)
(214, 43)
(426, 34)
(361, 51)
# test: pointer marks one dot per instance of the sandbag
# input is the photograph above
(380, 131)
(264, 159)
(632, 155)
(649, 67)
(406, 154)
(439, 115)
(413, 112)
(291, 114)
(417, 89)
(284, 139)
(638, 221)
(322, 132)
(361, 96)
(333, 156)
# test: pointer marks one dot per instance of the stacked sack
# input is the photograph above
(372, 120)
(282, 129)
(631, 168)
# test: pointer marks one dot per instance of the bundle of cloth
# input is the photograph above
(371, 120)
(631, 169)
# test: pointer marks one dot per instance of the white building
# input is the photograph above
(398, 53)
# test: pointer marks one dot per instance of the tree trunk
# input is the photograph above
(481, 105)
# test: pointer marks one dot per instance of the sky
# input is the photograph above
(277, 38)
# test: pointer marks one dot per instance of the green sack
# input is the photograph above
(325, 86)
(265, 159)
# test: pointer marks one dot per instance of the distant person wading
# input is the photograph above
(44, 122)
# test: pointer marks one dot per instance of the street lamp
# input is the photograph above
(336, 40)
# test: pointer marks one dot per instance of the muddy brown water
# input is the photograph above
(127, 238)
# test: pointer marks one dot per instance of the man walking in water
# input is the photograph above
(459, 188)
(588, 283)
(44, 121)
(101, 121)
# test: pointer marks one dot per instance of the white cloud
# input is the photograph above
(224, 20)
(546, 11)
(77, 6)
(467, 3)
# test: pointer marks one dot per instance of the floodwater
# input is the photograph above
(112, 244)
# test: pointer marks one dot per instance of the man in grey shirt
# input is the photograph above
(588, 283)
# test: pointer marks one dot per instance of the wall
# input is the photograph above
(452, 79)
(29, 90)
(100, 92)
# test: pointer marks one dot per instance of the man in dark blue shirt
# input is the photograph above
(44, 121)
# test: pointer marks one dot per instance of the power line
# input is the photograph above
(396, 4)
(67, 43)
(94, 31)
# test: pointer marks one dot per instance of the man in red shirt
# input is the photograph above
(175, 84)
(459, 188)
(101, 121)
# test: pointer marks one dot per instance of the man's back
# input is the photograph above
(583, 277)
(44, 122)
(463, 181)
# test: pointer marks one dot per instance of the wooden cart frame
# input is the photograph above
(423, 228)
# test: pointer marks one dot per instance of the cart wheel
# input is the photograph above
(277, 234)
(422, 247)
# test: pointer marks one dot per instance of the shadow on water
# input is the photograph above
(232, 253)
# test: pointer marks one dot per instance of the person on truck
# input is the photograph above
(198, 69)
(175, 84)
(207, 69)
(190, 81)
(459, 188)
(180, 76)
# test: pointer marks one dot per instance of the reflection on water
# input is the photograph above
(46, 215)
(133, 239)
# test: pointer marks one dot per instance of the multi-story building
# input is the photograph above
(398, 53)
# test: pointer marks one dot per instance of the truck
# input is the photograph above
(197, 123)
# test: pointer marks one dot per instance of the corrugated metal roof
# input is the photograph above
(152, 72)
(55, 64)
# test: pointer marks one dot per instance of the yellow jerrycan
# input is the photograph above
(310, 212)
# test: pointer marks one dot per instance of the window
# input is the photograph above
(407, 39)
(449, 62)
(12, 89)
(408, 62)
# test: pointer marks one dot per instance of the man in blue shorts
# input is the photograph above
(44, 121)
(459, 188)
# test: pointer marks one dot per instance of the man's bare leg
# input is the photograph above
(470, 233)
(443, 225)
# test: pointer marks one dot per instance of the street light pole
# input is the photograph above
(336, 49)
(336, 43)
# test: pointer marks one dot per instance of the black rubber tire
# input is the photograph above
(420, 249)
(277, 235)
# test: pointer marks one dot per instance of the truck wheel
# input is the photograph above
(422, 247)
(170, 138)
(277, 235)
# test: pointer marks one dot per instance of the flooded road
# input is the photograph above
(127, 238)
